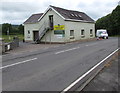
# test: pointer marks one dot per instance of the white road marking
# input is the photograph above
(91, 44)
(3, 55)
(80, 78)
(67, 50)
(17, 63)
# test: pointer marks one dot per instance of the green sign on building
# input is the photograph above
(59, 29)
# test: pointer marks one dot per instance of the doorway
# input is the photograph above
(35, 35)
(51, 21)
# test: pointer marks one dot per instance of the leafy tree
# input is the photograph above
(0, 29)
(111, 22)
(21, 29)
(13, 29)
(6, 27)
(115, 16)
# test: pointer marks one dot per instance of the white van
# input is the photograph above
(102, 33)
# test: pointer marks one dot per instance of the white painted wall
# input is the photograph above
(77, 27)
(69, 25)
(31, 28)
(50, 36)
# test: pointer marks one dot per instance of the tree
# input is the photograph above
(13, 29)
(115, 16)
(111, 22)
(21, 29)
(6, 27)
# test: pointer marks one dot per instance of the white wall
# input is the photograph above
(77, 27)
(50, 36)
(31, 28)
(69, 25)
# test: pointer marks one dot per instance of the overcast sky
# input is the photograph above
(17, 11)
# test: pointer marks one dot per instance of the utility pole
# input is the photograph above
(45, 39)
(8, 33)
(50, 35)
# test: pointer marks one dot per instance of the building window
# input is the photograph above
(71, 34)
(91, 32)
(72, 14)
(82, 33)
(51, 23)
(28, 31)
(76, 15)
(79, 15)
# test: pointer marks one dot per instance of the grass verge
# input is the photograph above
(9, 38)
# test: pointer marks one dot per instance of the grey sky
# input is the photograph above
(17, 11)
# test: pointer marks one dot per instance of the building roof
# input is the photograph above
(33, 18)
(73, 15)
(68, 15)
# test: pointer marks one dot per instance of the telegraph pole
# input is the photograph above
(8, 33)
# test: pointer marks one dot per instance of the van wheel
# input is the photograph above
(105, 37)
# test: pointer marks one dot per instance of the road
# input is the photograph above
(54, 69)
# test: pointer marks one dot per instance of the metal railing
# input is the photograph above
(42, 30)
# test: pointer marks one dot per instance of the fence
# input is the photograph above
(9, 46)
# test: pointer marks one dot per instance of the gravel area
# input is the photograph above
(29, 47)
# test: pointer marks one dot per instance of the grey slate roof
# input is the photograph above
(67, 14)
(34, 18)
(71, 14)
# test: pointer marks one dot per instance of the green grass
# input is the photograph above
(9, 38)
(115, 36)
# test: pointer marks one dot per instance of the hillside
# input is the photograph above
(111, 22)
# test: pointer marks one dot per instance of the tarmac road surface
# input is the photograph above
(53, 69)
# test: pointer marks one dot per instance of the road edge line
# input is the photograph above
(85, 74)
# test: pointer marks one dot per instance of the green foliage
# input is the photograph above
(111, 22)
(9, 38)
(13, 29)
(21, 28)
(0, 29)
(6, 27)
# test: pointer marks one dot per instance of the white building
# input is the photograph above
(59, 25)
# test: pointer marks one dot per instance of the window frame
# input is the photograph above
(28, 31)
(82, 33)
(91, 32)
(72, 34)
(82, 30)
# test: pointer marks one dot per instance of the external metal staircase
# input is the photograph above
(42, 31)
